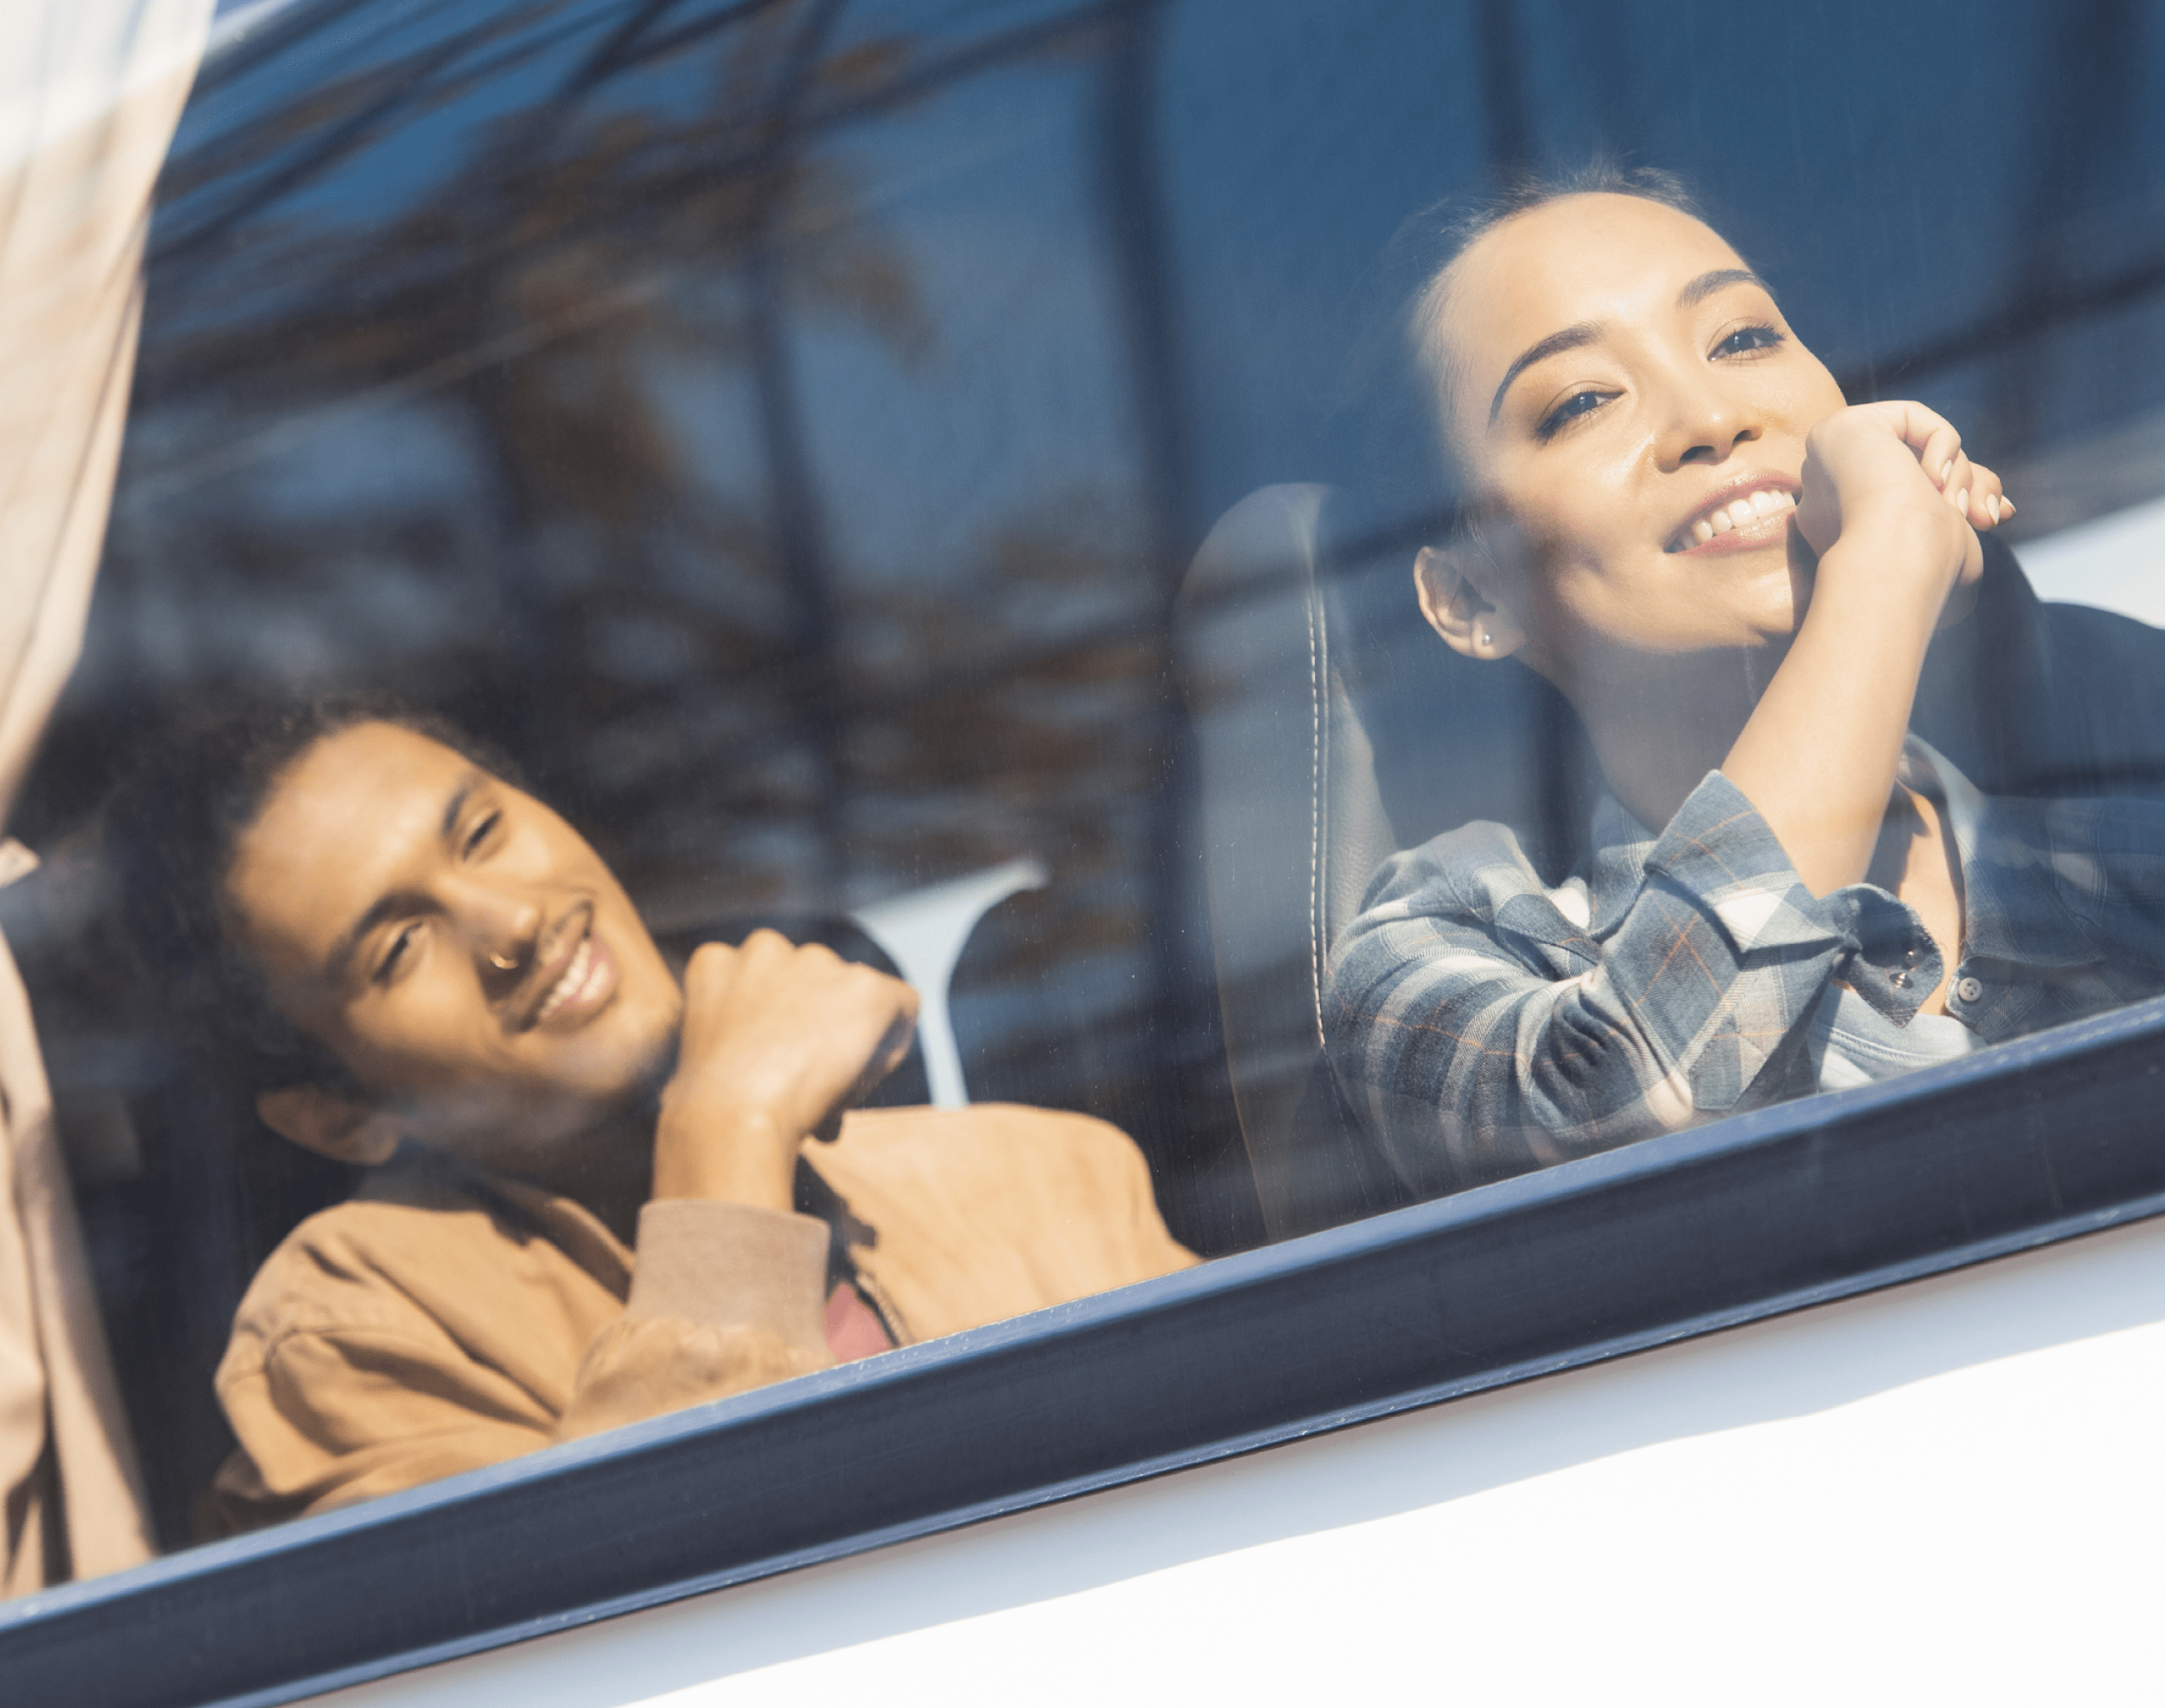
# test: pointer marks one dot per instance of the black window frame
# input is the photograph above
(2035, 1140)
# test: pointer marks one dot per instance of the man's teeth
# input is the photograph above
(575, 976)
(1738, 512)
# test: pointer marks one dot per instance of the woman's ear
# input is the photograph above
(329, 1125)
(1450, 582)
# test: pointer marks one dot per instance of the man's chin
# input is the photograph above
(528, 1133)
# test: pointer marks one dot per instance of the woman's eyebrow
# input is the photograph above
(1706, 283)
(1554, 344)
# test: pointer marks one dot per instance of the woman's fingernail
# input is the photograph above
(1961, 499)
(1992, 504)
(1947, 468)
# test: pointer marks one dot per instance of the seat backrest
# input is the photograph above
(1254, 649)
(1333, 728)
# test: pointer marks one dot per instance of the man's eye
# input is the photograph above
(1576, 405)
(395, 954)
(484, 827)
(1746, 339)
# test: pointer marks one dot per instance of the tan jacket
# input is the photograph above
(443, 1319)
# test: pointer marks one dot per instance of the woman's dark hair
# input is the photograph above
(170, 833)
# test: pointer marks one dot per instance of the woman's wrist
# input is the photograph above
(1903, 560)
(1818, 755)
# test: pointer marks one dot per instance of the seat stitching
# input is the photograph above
(1315, 673)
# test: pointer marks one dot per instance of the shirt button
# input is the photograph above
(1911, 956)
(1969, 989)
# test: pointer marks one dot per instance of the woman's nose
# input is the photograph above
(1706, 419)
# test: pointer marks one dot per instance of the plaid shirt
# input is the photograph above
(1481, 1024)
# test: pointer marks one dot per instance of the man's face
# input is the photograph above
(1621, 382)
(460, 948)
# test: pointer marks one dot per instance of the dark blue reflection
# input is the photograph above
(783, 423)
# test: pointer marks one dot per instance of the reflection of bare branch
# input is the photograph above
(290, 430)
(676, 683)
(341, 118)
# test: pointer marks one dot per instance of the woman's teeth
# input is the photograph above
(574, 978)
(1739, 511)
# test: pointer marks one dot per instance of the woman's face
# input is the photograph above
(1631, 404)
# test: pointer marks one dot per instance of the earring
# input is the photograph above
(1487, 638)
(500, 965)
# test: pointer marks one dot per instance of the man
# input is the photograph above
(592, 1193)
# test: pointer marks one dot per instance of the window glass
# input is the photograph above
(946, 481)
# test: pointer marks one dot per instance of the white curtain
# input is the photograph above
(90, 90)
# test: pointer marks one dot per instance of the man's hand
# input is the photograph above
(1892, 477)
(777, 1041)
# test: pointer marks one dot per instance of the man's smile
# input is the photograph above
(573, 979)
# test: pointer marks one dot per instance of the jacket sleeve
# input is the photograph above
(723, 1298)
(1469, 1053)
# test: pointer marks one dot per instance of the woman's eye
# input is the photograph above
(1575, 405)
(484, 827)
(1746, 339)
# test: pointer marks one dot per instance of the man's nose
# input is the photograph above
(501, 927)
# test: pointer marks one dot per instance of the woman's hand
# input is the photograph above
(1893, 477)
(777, 1041)
(1892, 507)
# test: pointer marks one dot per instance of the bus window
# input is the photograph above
(1367, 603)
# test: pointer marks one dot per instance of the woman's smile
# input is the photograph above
(1748, 512)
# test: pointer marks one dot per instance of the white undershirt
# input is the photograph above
(1853, 1044)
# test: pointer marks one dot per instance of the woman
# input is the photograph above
(1733, 576)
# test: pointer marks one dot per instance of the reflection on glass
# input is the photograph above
(792, 432)
(726, 410)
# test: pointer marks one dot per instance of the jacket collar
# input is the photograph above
(419, 1173)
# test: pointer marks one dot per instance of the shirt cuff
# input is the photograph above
(732, 1265)
(1721, 849)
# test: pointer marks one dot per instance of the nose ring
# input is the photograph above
(500, 965)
